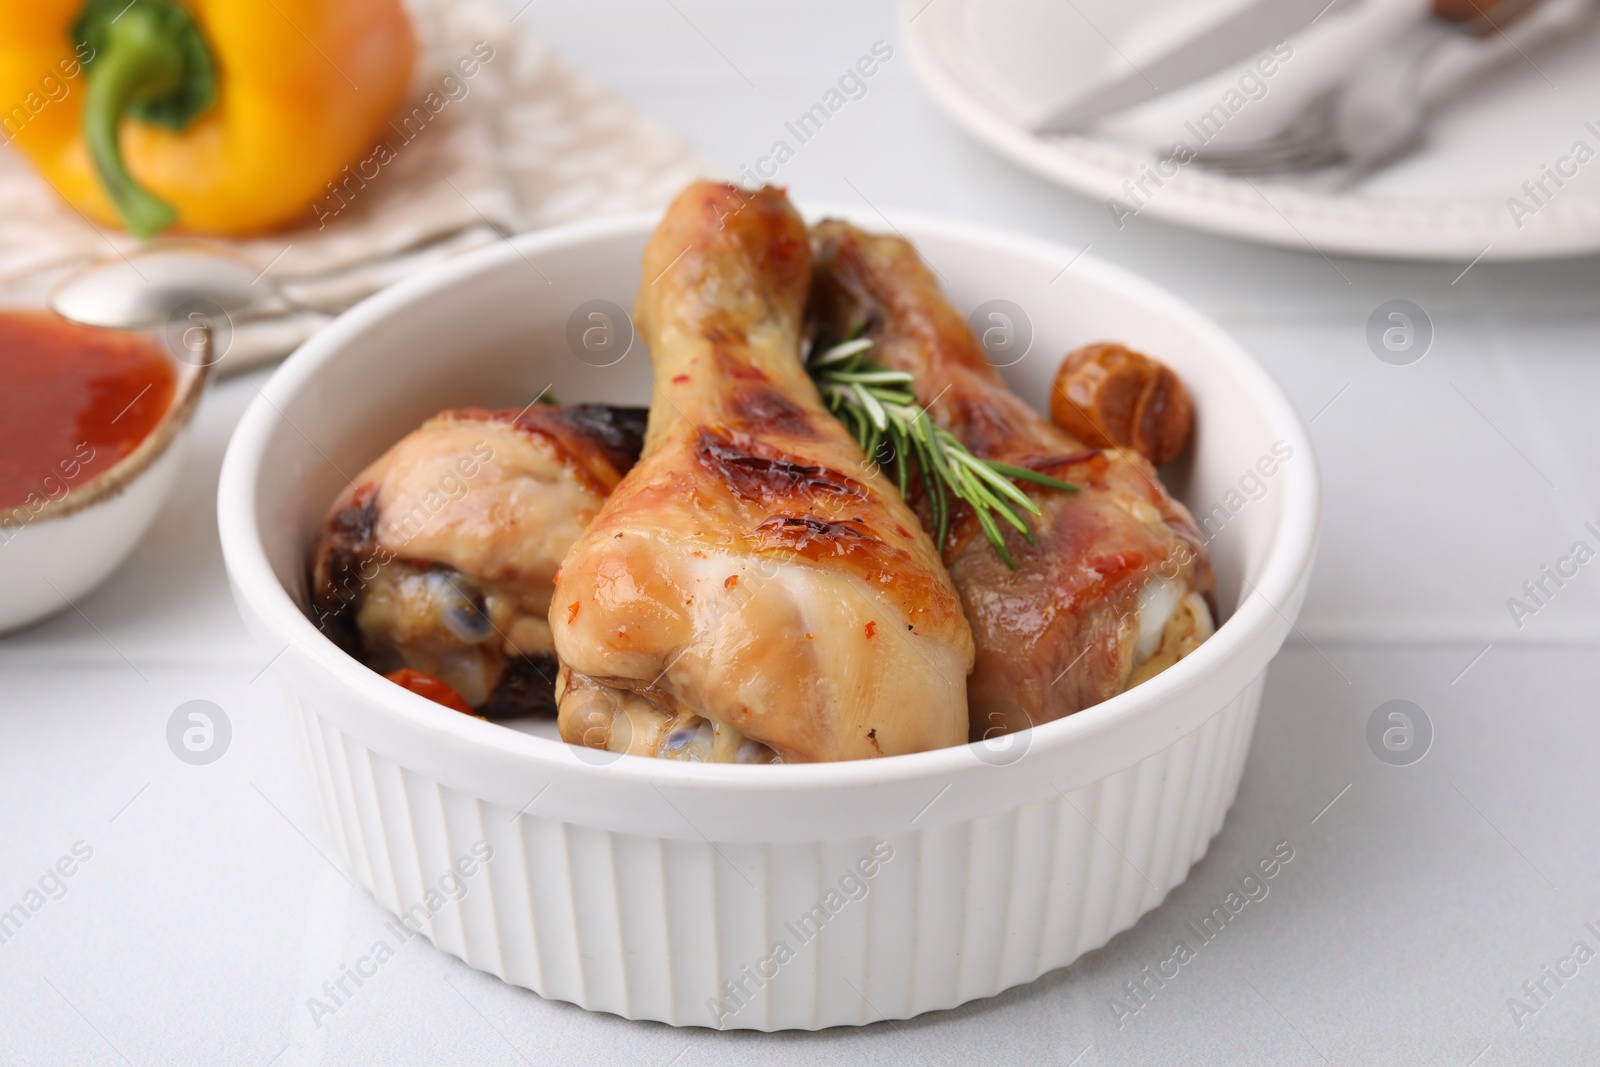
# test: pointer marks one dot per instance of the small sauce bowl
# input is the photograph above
(115, 406)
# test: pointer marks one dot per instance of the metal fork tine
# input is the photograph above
(1287, 156)
(1264, 153)
(1309, 156)
(1308, 142)
(1295, 164)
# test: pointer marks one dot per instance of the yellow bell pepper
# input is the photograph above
(214, 116)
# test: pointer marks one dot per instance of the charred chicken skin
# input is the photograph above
(1116, 587)
(754, 590)
(440, 557)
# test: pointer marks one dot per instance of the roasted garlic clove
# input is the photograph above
(1108, 395)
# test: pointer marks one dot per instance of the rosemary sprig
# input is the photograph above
(893, 429)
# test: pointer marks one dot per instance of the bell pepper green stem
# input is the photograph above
(148, 62)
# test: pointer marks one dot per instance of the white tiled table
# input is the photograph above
(1416, 904)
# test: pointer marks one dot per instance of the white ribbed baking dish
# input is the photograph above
(662, 890)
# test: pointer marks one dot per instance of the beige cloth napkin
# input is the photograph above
(525, 142)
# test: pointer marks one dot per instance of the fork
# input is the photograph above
(1376, 116)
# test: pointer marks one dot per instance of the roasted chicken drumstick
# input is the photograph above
(440, 556)
(1114, 589)
(754, 589)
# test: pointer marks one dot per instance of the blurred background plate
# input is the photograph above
(995, 66)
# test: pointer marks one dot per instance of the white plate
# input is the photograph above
(987, 63)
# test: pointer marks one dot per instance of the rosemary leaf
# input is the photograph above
(883, 415)
(872, 377)
(983, 471)
(841, 352)
(1026, 475)
(875, 412)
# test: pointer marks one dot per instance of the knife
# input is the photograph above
(1257, 26)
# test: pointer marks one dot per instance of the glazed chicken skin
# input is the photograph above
(440, 557)
(1116, 587)
(754, 590)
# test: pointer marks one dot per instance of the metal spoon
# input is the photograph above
(183, 288)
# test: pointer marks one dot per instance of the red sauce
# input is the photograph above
(73, 401)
